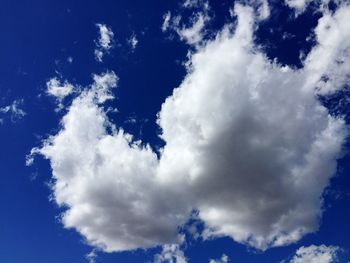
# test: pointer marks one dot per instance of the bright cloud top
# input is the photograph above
(247, 144)
(105, 41)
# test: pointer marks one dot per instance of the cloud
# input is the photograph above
(315, 254)
(247, 144)
(105, 41)
(170, 254)
(329, 62)
(166, 21)
(91, 256)
(59, 90)
(193, 31)
(298, 5)
(107, 180)
(13, 110)
(133, 41)
(223, 259)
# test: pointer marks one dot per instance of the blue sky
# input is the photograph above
(174, 131)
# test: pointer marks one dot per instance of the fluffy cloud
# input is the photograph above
(105, 41)
(247, 144)
(107, 180)
(315, 254)
(254, 159)
(329, 62)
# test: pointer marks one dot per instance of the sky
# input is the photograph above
(175, 131)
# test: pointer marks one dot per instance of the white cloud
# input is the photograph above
(193, 31)
(13, 110)
(105, 41)
(261, 8)
(224, 259)
(298, 5)
(315, 254)
(328, 64)
(166, 21)
(170, 254)
(107, 180)
(91, 256)
(248, 145)
(59, 90)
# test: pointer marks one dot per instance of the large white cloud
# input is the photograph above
(248, 145)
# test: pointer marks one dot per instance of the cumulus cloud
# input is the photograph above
(105, 41)
(315, 254)
(224, 259)
(13, 111)
(170, 254)
(107, 180)
(247, 144)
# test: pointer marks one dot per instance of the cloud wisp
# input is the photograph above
(104, 42)
(14, 111)
(247, 144)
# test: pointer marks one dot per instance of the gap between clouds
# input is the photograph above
(247, 144)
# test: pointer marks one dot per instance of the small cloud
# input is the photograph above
(170, 254)
(316, 254)
(192, 31)
(91, 256)
(105, 41)
(14, 111)
(166, 21)
(59, 90)
(70, 60)
(133, 41)
(224, 259)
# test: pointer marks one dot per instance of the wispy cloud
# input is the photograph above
(14, 111)
(104, 42)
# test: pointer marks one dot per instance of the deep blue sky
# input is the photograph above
(38, 36)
